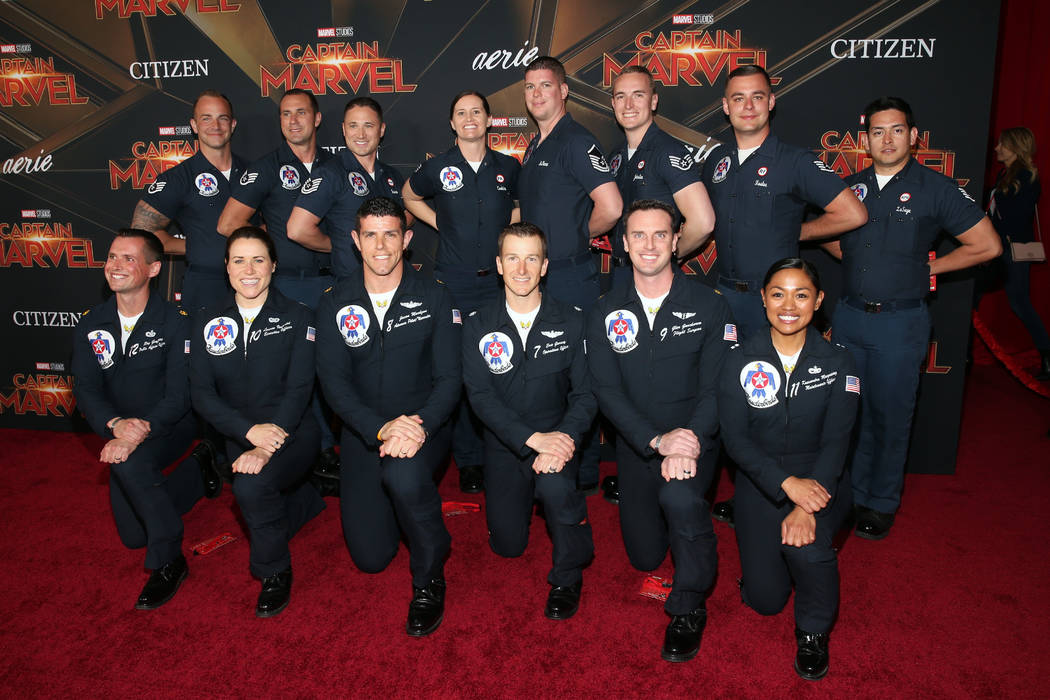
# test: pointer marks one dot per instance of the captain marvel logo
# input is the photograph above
(861, 190)
(451, 178)
(353, 323)
(220, 335)
(102, 345)
(722, 169)
(358, 183)
(614, 164)
(621, 327)
(497, 349)
(760, 382)
(289, 177)
(207, 184)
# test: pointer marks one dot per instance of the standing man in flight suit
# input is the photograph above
(760, 188)
(271, 185)
(655, 349)
(526, 374)
(568, 192)
(652, 164)
(339, 187)
(130, 362)
(388, 344)
(193, 194)
(882, 317)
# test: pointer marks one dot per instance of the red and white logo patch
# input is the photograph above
(905, 196)
(762, 171)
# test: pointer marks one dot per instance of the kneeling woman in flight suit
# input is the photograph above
(252, 376)
(787, 401)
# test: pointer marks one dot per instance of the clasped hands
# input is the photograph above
(799, 528)
(680, 449)
(128, 433)
(402, 437)
(553, 450)
(267, 438)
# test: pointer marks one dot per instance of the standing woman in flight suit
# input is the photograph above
(473, 193)
(787, 401)
(252, 379)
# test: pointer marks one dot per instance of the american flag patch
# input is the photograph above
(311, 334)
(852, 384)
(456, 318)
(186, 348)
(730, 332)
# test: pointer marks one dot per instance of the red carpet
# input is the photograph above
(952, 604)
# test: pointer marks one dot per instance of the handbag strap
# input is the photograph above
(1038, 229)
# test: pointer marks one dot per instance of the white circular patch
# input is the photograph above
(641, 165)
(451, 178)
(358, 183)
(762, 171)
(353, 322)
(497, 349)
(500, 179)
(621, 327)
(861, 190)
(103, 345)
(207, 184)
(722, 169)
(905, 196)
(289, 177)
(760, 382)
(220, 335)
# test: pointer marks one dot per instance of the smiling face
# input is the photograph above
(213, 122)
(250, 270)
(299, 122)
(790, 299)
(545, 95)
(469, 119)
(126, 267)
(522, 265)
(382, 243)
(650, 240)
(890, 140)
(362, 129)
(748, 102)
(633, 101)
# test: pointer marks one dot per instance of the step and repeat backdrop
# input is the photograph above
(96, 96)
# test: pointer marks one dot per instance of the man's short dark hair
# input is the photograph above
(381, 206)
(522, 229)
(547, 63)
(154, 248)
(882, 104)
(364, 101)
(639, 70)
(749, 69)
(649, 205)
(307, 93)
(210, 93)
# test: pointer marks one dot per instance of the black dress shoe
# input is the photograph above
(682, 639)
(811, 660)
(563, 601)
(162, 585)
(611, 489)
(275, 594)
(204, 453)
(723, 510)
(471, 479)
(873, 525)
(427, 608)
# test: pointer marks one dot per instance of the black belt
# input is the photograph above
(744, 286)
(569, 262)
(882, 307)
(302, 272)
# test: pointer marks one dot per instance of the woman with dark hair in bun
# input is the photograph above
(252, 376)
(787, 401)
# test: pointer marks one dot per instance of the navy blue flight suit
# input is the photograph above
(472, 209)
(774, 427)
(662, 165)
(193, 194)
(335, 191)
(519, 390)
(148, 380)
(882, 316)
(759, 206)
(371, 375)
(651, 382)
(266, 376)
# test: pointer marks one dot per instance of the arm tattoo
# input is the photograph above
(148, 218)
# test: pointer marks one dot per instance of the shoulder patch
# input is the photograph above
(597, 158)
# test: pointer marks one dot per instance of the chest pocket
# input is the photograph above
(403, 327)
(266, 341)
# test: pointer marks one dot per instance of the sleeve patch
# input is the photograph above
(852, 384)
(457, 317)
(597, 158)
(248, 178)
(311, 185)
(311, 333)
(729, 333)
(821, 165)
(682, 163)
(186, 347)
